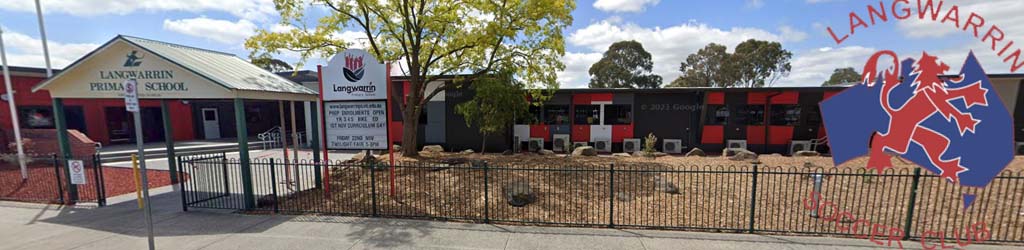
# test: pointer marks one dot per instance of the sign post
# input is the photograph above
(354, 95)
(131, 103)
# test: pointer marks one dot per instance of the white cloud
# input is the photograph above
(247, 9)
(812, 67)
(791, 34)
(1003, 13)
(577, 67)
(222, 31)
(624, 5)
(668, 46)
(24, 50)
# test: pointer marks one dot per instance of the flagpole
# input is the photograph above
(42, 35)
(14, 111)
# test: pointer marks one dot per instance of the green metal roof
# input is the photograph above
(222, 68)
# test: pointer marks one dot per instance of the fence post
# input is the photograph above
(910, 205)
(224, 171)
(101, 200)
(753, 198)
(273, 182)
(56, 172)
(487, 195)
(373, 187)
(181, 183)
(611, 195)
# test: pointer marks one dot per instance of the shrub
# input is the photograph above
(649, 143)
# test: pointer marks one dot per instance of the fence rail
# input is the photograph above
(901, 203)
(47, 180)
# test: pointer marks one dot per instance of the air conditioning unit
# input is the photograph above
(1020, 148)
(536, 144)
(516, 144)
(631, 145)
(603, 145)
(797, 146)
(736, 144)
(579, 144)
(672, 146)
(559, 142)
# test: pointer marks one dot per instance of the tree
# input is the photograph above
(760, 63)
(709, 67)
(498, 100)
(432, 39)
(842, 76)
(272, 64)
(625, 65)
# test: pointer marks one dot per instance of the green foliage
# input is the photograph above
(649, 142)
(760, 63)
(498, 100)
(755, 63)
(709, 67)
(272, 64)
(625, 65)
(842, 76)
(431, 39)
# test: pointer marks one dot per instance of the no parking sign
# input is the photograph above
(77, 168)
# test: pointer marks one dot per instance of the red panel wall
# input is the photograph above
(94, 110)
(587, 99)
(780, 135)
(580, 133)
(540, 131)
(620, 132)
(755, 135)
(716, 98)
(789, 97)
(713, 134)
(395, 132)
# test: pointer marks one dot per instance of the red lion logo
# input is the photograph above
(931, 96)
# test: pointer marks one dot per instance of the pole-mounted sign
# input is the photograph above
(131, 96)
(131, 103)
(354, 91)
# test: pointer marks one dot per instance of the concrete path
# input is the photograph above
(120, 226)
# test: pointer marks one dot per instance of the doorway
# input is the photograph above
(211, 123)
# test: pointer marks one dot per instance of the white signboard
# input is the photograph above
(131, 96)
(77, 168)
(354, 75)
(356, 125)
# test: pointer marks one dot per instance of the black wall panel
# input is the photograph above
(668, 116)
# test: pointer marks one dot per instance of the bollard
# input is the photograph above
(138, 182)
(817, 190)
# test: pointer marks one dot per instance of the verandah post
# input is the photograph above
(165, 112)
(243, 154)
(314, 141)
(910, 203)
(65, 146)
(487, 195)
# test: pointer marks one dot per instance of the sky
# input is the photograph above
(669, 30)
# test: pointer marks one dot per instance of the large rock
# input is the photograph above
(433, 148)
(519, 194)
(743, 155)
(468, 151)
(507, 152)
(584, 151)
(695, 152)
(546, 152)
(621, 155)
(665, 186)
(396, 147)
(805, 153)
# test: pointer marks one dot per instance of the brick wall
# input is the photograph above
(44, 142)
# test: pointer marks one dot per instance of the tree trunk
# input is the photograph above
(411, 120)
(483, 146)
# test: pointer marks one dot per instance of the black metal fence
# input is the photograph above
(901, 203)
(46, 180)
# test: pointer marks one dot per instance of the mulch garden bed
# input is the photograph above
(41, 186)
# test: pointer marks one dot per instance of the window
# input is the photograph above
(36, 117)
(209, 115)
(813, 116)
(532, 116)
(253, 114)
(556, 114)
(717, 115)
(618, 114)
(750, 114)
(587, 114)
(785, 115)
